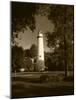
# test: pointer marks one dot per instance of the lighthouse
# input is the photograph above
(40, 51)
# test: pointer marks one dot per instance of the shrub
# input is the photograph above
(44, 78)
(60, 77)
(69, 78)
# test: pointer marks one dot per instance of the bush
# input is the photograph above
(69, 78)
(44, 78)
(60, 77)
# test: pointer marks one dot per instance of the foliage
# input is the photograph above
(33, 51)
(21, 17)
(44, 78)
(28, 65)
(20, 61)
(54, 62)
(27, 53)
(62, 17)
(23, 58)
(17, 57)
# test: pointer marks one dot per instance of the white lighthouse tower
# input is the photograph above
(41, 49)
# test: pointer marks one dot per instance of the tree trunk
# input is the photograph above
(65, 57)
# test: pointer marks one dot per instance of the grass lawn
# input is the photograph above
(30, 86)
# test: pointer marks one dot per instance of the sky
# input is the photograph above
(27, 38)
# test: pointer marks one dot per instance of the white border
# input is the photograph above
(5, 48)
(50, 1)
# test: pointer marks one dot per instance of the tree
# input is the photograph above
(27, 53)
(28, 65)
(54, 61)
(21, 17)
(17, 57)
(62, 17)
(33, 51)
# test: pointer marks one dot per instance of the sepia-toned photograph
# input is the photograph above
(42, 49)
